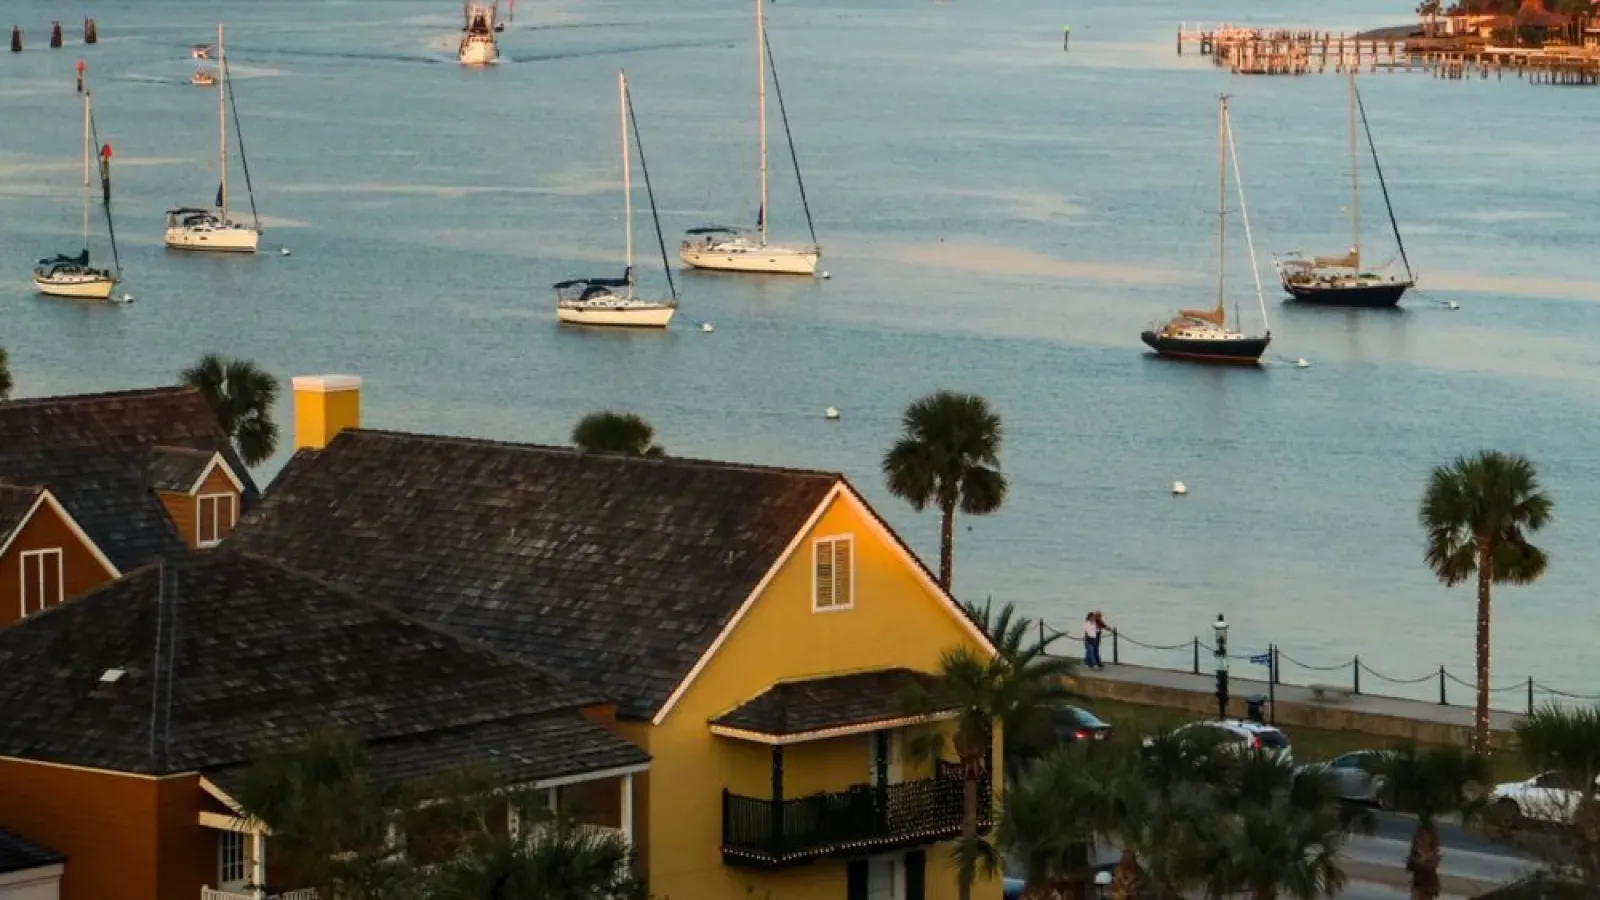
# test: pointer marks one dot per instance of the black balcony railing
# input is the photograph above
(860, 819)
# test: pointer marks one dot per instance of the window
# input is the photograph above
(833, 576)
(214, 518)
(41, 580)
(230, 858)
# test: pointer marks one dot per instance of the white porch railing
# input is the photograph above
(209, 893)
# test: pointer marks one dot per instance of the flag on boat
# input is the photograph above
(105, 172)
(219, 195)
(761, 217)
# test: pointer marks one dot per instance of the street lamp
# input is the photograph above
(1102, 884)
(1221, 653)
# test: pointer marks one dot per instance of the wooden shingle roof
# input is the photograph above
(16, 501)
(618, 571)
(822, 704)
(18, 854)
(176, 468)
(93, 451)
(255, 656)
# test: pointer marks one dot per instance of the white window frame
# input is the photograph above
(216, 529)
(226, 860)
(831, 541)
(22, 578)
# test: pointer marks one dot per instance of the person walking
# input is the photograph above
(1091, 642)
(1100, 629)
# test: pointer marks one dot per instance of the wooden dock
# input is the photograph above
(1259, 51)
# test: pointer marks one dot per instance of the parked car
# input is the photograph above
(1353, 774)
(1073, 723)
(1012, 888)
(1546, 797)
(1240, 736)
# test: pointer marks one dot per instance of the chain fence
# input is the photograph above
(1353, 674)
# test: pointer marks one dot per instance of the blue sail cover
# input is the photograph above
(713, 229)
(624, 281)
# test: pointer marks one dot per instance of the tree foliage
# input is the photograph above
(242, 395)
(5, 376)
(624, 434)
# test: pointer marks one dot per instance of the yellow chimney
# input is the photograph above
(324, 405)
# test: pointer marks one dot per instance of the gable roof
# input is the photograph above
(260, 655)
(177, 469)
(16, 503)
(858, 701)
(621, 571)
(94, 453)
(18, 854)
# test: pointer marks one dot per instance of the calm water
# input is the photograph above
(999, 217)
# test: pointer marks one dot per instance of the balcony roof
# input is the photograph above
(814, 709)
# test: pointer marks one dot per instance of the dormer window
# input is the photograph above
(833, 574)
(214, 517)
(42, 578)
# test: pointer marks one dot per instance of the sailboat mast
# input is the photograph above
(86, 170)
(1355, 192)
(222, 125)
(761, 109)
(1222, 195)
(627, 172)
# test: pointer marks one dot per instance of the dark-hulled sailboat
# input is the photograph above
(1341, 280)
(1203, 335)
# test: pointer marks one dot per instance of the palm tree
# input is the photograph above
(1478, 513)
(241, 394)
(612, 432)
(1030, 731)
(5, 376)
(1280, 848)
(979, 690)
(557, 862)
(1428, 784)
(1567, 741)
(948, 455)
(1055, 815)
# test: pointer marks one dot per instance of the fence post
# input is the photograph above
(1197, 654)
(1272, 683)
(1530, 695)
(1442, 700)
(1355, 672)
(1041, 631)
(1272, 664)
(1116, 649)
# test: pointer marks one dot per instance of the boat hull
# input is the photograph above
(780, 260)
(223, 240)
(1364, 296)
(78, 289)
(478, 53)
(647, 317)
(1244, 351)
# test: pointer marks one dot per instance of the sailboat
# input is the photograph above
(190, 228)
(1340, 280)
(73, 276)
(478, 46)
(1203, 335)
(731, 249)
(611, 301)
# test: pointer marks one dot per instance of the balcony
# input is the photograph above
(211, 893)
(859, 820)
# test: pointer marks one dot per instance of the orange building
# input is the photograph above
(132, 713)
(92, 485)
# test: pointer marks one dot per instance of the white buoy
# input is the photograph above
(706, 327)
(284, 251)
(1453, 305)
(830, 413)
(1301, 363)
(826, 276)
(1179, 489)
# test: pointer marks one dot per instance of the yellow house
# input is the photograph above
(757, 628)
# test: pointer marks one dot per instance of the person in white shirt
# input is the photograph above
(1091, 641)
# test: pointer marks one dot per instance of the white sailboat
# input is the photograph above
(612, 301)
(73, 276)
(192, 228)
(723, 248)
(478, 44)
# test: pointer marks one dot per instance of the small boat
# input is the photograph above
(190, 228)
(478, 45)
(1341, 280)
(202, 78)
(722, 248)
(73, 276)
(1203, 335)
(200, 51)
(611, 301)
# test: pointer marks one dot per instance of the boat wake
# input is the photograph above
(607, 51)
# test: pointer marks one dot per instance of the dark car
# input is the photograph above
(1076, 724)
